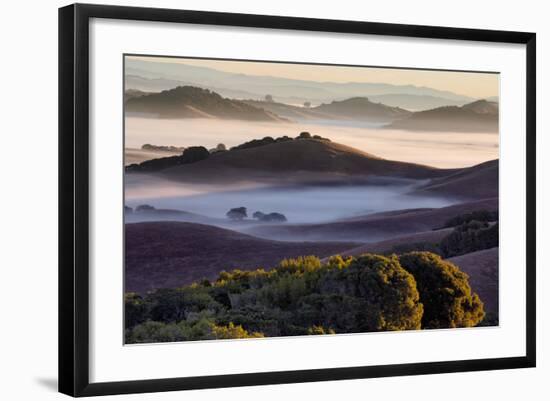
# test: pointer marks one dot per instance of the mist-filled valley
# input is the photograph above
(438, 149)
(267, 205)
(299, 203)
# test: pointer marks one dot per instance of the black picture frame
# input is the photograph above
(74, 201)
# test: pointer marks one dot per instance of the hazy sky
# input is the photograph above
(476, 85)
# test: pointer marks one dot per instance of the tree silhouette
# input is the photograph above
(237, 213)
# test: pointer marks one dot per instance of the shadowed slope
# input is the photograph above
(477, 182)
(171, 254)
(482, 267)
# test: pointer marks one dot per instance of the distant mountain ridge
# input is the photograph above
(193, 102)
(148, 76)
(478, 116)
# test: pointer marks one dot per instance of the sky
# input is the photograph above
(472, 84)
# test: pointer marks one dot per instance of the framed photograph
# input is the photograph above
(250, 199)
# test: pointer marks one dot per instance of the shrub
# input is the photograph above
(194, 154)
(136, 310)
(444, 291)
(305, 296)
(238, 213)
(270, 217)
(415, 246)
(469, 237)
(389, 291)
(232, 331)
(316, 330)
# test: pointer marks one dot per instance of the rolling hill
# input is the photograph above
(306, 159)
(356, 108)
(193, 102)
(361, 108)
(477, 182)
(479, 116)
(171, 254)
(289, 111)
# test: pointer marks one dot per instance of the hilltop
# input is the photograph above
(306, 159)
(361, 108)
(479, 116)
(193, 102)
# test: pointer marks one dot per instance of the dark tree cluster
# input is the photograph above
(470, 237)
(254, 143)
(478, 215)
(162, 148)
(144, 208)
(269, 217)
(305, 296)
(237, 213)
(192, 154)
(268, 140)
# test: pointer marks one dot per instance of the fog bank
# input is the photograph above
(438, 149)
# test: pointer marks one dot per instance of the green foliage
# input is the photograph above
(422, 246)
(200, 329)
(135, 309)
(444, 291)
(305, 296)
(316, 330)
(232, 331)
(469, 237)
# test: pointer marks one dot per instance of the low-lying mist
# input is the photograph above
(299, 204)
(438, 149)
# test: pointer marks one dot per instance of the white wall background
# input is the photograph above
(28, 199)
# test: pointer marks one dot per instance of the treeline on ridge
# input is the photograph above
(417, 290)
(194, 154)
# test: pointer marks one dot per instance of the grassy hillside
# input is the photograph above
(479, 181)
(171, 254)
(482, 267)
